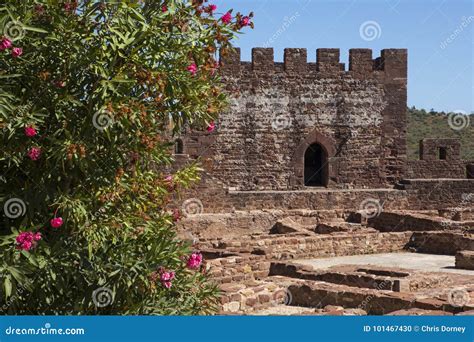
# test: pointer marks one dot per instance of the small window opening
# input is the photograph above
(442, 153)
(178, 147)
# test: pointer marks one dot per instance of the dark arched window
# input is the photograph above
(315, 166)
(178, 147)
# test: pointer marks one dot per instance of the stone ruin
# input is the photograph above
(308, 203)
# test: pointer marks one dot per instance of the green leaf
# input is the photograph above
(10, 76)
(34, 29)
(7, 285)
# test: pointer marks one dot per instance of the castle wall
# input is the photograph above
(439, 158)
(414, 194)
(278, 109)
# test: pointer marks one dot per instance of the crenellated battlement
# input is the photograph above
(393, 62)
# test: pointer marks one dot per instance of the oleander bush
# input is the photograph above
(91, 93)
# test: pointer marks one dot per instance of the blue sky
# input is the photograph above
(439, 36)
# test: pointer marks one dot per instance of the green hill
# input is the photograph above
(423, 124)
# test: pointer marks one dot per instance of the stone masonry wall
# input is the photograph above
(278, 109)
(414, 194)
(439, 158)
(447, 243)
(274, 247)
(436, 169)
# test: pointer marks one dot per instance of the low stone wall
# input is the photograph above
(459, 214)
(465, 260)
(436, 169)
(237, 268)
(427, 194)
(411, 194)
(323, 199)
(402, 221)
(239, 298)
(292, 246)
(354, 279)
(241, 223)
(375, 302)
(447, 243)
(369, 277)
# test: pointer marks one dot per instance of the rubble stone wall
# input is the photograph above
(278, 109)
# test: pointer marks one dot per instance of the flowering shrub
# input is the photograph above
(194, 260)
(87, 92)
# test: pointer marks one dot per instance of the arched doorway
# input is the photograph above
(315, 165)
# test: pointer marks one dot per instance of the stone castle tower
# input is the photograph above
(296, 124)
(316, 135)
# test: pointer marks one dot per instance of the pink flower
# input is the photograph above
(21, 238)
(169, 183)
(30, 131)
(56, 222)
(210, 9)
(17, 52)
(34, 153)
(5, 44)
(211, 127)
(167, 276)
(26, 245)
(192, 68)
(27, 240)
(245, 21)
(226, 18)
(164, 9)
(194, 260)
